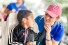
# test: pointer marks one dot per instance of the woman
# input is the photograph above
(50, 26)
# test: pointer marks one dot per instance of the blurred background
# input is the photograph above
(38, 7)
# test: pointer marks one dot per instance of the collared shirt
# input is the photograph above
(57, 30)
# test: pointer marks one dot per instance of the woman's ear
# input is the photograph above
(57, 19)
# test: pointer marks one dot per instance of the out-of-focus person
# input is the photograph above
(14, 7)
(2, 14)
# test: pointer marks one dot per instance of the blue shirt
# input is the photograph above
(57, 29)
(12, 6)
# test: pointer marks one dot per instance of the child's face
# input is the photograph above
(29, 21)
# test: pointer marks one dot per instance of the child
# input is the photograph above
(23, 33)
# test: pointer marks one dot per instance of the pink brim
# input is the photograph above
(51, 14)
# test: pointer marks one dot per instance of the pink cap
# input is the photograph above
(54, 10)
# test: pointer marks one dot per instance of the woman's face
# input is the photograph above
(49, 20)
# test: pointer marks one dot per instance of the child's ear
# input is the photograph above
(24, 20)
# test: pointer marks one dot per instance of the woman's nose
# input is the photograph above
(47, 18)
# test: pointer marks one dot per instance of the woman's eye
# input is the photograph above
(50, 17)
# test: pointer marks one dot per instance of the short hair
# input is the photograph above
(23, 14)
